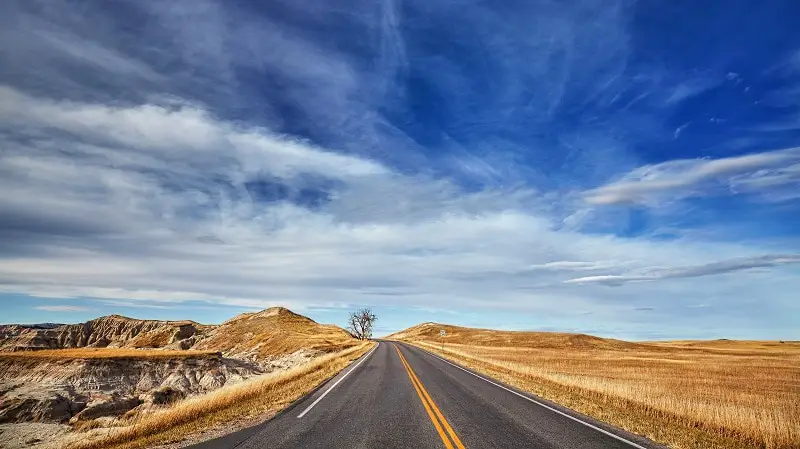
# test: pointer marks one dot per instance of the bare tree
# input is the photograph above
(360, 324)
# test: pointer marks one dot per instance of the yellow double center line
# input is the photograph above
(433, 411)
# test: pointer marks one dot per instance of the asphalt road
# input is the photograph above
(399, 396)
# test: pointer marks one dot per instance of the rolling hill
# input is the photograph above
(273, 332)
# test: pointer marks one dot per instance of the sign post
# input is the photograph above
(442, 333)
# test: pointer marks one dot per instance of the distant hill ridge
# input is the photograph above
(491, 337)
(256, 335)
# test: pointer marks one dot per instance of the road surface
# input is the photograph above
(399, 396)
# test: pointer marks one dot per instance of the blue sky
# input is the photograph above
(627, 169)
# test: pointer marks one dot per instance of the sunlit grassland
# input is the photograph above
(720, 394)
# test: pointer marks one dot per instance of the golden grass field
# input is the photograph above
(687, 394)
(258, 396)
(104, 353)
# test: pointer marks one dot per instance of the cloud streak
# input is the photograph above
(698, 177)
(63, 309)
(710, 269)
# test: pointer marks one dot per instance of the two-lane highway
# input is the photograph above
(399, 396)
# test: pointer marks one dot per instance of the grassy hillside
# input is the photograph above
(275, 331)
(687, 394)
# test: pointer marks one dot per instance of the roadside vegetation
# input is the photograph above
(688, 395)
(257, 397)
(360, 324)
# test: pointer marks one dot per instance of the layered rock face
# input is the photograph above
(109, 331)
(264, 337)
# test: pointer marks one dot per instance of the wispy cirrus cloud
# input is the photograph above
(774, 184)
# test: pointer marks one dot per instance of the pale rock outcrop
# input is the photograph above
(111, 406)
(59, 390)
(46, 404)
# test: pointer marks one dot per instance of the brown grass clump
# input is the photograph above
(104, 353)
(157, 338)
(254, 397)
(698, 395)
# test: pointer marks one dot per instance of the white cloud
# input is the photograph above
(180, 135)
(127, 165)
(110, 214)
(63, 309)
(695, 177)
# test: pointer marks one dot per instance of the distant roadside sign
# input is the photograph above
(442, 333)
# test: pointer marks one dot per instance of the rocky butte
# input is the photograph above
(66, 375)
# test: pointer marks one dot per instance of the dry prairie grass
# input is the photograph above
(104, 353)
(698, 395)
(255, 397)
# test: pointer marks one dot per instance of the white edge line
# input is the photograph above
(538, 403)
(303, 413)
